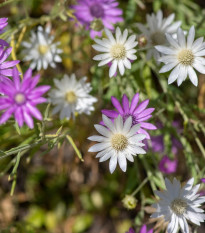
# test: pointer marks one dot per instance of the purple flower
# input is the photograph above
(87, 11)
(5, 66)
(167, 165)
(139, 113)
(176, 145)
(3, 24)
(157, 143)
(131, 230)
(203, 180)
(144, 230)
(20, 98)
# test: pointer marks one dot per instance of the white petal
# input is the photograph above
(99, 146)
(193, 76)
(164, 49)
(97, 138)
(172, 41)
(100, 48)
(199, 68)
(118, 34)
(110, 36)
(104, 62)
(190, 37)
(121, 67)
(122, 162)
(101, 56)
(127, 125)
(174, 74)
(108, 123)
(181, 38)
(105, 157)
(168, 67)
(113, 68)
(113, 163)
(102, 130)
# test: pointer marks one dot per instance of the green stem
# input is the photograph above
(8, 2)
(140, 186)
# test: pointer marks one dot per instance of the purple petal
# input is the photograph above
(143, 229)
(203, 180)
(148, 126)
(34, 111)
(4, 43)
(146, 112)
(6, 53)
(117, 105)
(19, 116)
(7, 114)
(141, 106)
(28, 119)
(143, 118)
(110, 113)
(8, 64)
(39, 100)
(144, 132)
(16, 78)
(125, 103)
(134, 102)
(28, 74)
(39, 91)
(7, 72)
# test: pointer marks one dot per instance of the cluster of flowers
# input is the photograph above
(122, 130)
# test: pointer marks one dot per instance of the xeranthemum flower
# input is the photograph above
(155, 31)
(138, 113)
(96, 15)
(119, 50)
(72, 96)
(21, 98)
(184, 55)
(5, 66)
(118, 142)
(41, 50)
(179, 204)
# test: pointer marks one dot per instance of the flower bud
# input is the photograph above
(129, 202)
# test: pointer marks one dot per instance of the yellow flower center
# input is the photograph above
(70, 97)
(186, 57)
(43, 49)
(158, 38)
(178, 206)
(119, 142)
(118, 51)
(19, 98)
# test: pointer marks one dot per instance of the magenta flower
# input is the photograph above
(167, 165)
(139, 113)
(20, 98)
(3, 24)
(105, 10)
(144, 230)
(203, 180)
(131, 230)
(5, 66)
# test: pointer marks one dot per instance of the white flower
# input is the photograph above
(155, 31)
(118, 143)
(119, 51)
(72, 96)
(184, 55)
(41, 50)
(179, 204)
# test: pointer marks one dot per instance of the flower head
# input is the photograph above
(167, 166)
(155, 31)
(144, 230)
(179, 204)
(5, 66)
(41, 50)
(71, 96)
(139, 114)
(183, 56)
(119, 51)
(95, 15)
(118, 142)
(20, 98)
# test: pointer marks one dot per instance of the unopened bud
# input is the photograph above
(129, 202)
(142, 40)
(97, 25)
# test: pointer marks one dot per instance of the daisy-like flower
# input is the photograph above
(20, 98)
(139, 114)
(184, 56)
(119, 51)
(155, 31)
(179, 204)
(41, 49)
(71, 96)
(6, 66)
(118, 142)
(96, 15)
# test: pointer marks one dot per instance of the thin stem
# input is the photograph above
(140, 186)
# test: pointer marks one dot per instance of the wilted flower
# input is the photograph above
(118, 143)
(20, 98)
(167, 166)
(179, 204)
(41, 49)
(95, 15)
(119, 51)
(183, 56)
(71, 96)
(139, 114)
(155, 31)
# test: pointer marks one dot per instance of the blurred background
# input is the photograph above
(54, 190)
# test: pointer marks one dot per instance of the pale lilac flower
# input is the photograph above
(20, 98)
(104, 13)
(6, 66)
(167, 166)
(138, 113)
(144, 229)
